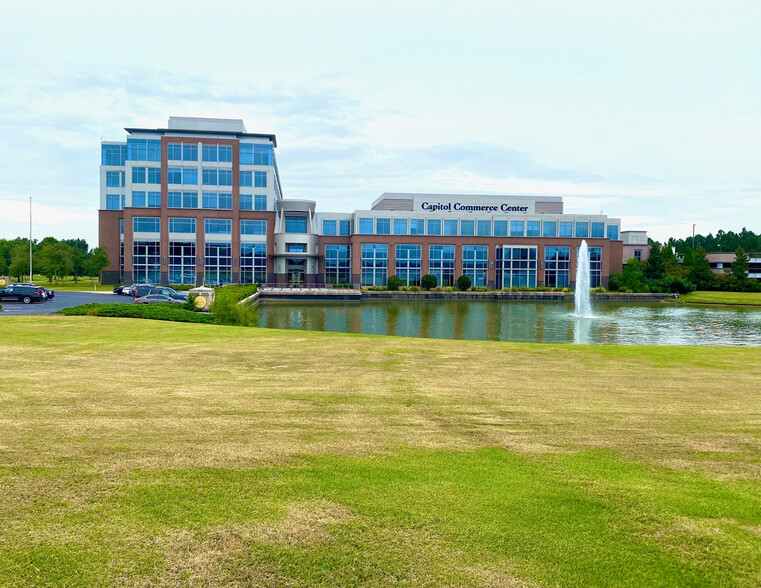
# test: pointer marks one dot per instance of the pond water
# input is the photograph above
(536, 322)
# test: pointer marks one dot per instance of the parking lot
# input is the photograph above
(61, 300)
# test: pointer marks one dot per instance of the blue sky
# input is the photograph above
(648, 111)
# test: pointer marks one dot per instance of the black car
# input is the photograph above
(118, 289)
(46, 293)
(25, 294)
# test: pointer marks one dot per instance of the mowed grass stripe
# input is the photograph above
(134, 452)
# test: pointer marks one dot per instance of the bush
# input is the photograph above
(182, 287)
(226, 309)
(479, 289)
(414, 288)
(449, 289)
(159, 312)
(428, 282)
(463, 282)
(394, 283)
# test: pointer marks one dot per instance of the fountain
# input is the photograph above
(581, 294)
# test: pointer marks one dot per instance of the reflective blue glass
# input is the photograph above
(190, 153)
(344, 228)
(209, 200)
(113, 154)
(246, 153)
(114, 179)
(565, 229)
(253, 227)
(400, 226)
(260, 202)
(383, 226)
(218, 226)
(225, 153)
(209, 176)
(295, 224)
(329, 227)
(582, 229)
(174, 175)
(138, 199)
(146, 224)
(225, 177)
(174, 199)
(613, 232)
(450, 226)
(137, 150)
(434, 226)
(549, 229)
(263, 154)
(209, 153)
(154, 199)
(417, 226)
(246, 179)
(598, 230)
(366, 226)
(516, 228)
(500, 228)
(138, 175)
(190, 199)
(260, 179)
(483, 228)
(113, 202)
(225, 200)
(174, 152)
(154, 175)
(246, 202)
(190, 176)
(467, 228)
(154, 150)
(182, 225)
(532, 228)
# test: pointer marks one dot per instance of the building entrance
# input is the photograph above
(296, 272)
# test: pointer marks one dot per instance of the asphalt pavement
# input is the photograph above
(61, 300)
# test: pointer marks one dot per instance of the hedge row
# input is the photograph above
(159, 312)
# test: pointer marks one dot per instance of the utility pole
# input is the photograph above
(31, 274)
(693, 237)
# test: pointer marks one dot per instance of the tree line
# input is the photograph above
(722, 241)
(51, 258)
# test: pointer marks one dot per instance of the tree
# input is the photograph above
(394, 283)
(739, 267)
(654, 266)
(56, 260)
(700, 271)
(428, 282)
(463, 282)
(19, 266)
(96, 262)
(671, 266)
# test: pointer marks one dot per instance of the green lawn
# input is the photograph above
(733, 298)
(152, 453)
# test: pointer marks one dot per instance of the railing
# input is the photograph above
(337, 287)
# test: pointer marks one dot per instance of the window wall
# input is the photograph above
(374, 264)
(516, 267)
(557, 266)
(146, 262)
(218, 263)
(338, 264)
(408, 263)
(441, 264)
(253, 263)
(475, 263)
(182, 259)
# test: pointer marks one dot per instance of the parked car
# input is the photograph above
(46, 293)
(118, 289)
(151, 298)
(167, 291)
(130, 290)
(25, 294)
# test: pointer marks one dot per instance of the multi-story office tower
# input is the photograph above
(192, 203)
(200, 202)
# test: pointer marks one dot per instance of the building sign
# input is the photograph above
(460, 207)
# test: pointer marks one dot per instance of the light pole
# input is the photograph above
(31, 274)
(693, 237)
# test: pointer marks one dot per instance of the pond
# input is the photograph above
(536, 322)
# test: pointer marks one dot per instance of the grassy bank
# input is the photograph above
(729, 298)
(143, 452)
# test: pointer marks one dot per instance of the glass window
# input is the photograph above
(246, 178)
(500, 228)
(225, 177)
(253, 263)
(121, 227)
(516, 229)
(337, 264)
(246, 202)
(209, 152)
(532, 228)
(295, 224)
(408, 263)
(450, 226)
(253, 227)
(582, 229)
(138, 175)
(598, 230)
(154, 150)
(374, 264)
(260, 179)
(246, 151)
(595, 266)
(146, 224)
(218, 226)
(516, 267)
(400, 226)
(190, 153)
(225, 153)
(225, 200)
(154, 199)
(218, 261)
(174, 152)
(366, 226)
(565, 229)
(475, 263)
(182, 225)
(190, 200)
(329, 227)
(113, 202)
(417, 226)
(137, 150)
(263, 154)
(146, 262)
(549, 229)
(260, 202)
(434, 226)
(113, 154)
(210, 200)
(182, 262)
(174, 199)
(138, 199)
(190, 176)
(174, 175)
(209, 176)
(154, 175)
(441, 264)
(557, 264)
(484, 228)
(467, 228)
(613, 232)
(383, 226)
(114, 179)
(344, 228)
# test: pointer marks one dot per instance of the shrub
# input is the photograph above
(479, 289)
(414, 288)
(463, 282)
(449, 289)
(189, 303)
(159, 312)
(226, 309)
(428, 282)
(394, 283)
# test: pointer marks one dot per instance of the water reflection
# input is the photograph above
(543, 322)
